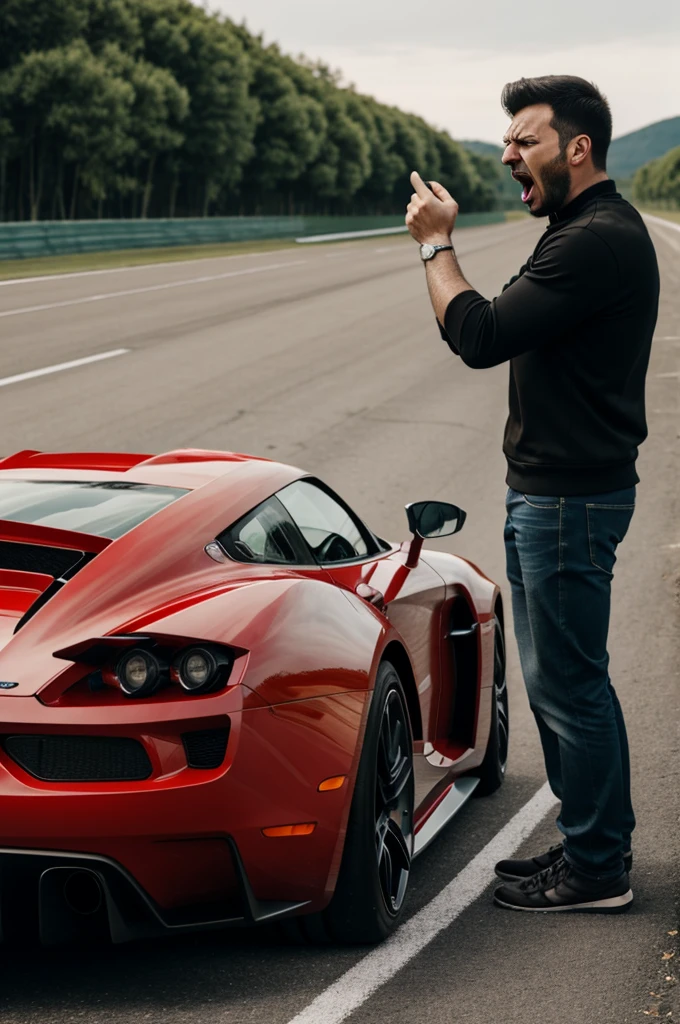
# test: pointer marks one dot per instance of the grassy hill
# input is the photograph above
(631, 151)
(483, 148)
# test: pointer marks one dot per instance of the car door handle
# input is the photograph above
(371, 595)
(468, 631)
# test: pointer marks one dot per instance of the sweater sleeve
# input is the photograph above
(443, 333)
(571, 278)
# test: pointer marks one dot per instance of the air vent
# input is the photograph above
(37, 558)
(206, 747)
(80, 758)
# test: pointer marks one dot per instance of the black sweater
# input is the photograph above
(576, 324)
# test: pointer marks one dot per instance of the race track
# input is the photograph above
(328, 357)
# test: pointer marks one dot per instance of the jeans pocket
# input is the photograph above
(607, 526)
(540, 501)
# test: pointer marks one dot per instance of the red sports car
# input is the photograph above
(225, 700)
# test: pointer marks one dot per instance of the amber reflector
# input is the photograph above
(334, 783)
(290, 830)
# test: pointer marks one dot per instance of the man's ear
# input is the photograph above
(580, 148)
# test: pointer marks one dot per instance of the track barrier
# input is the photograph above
(29, 239)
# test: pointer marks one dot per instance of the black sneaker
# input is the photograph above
(560, 887)
(518, 870)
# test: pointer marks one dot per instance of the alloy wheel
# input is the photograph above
(394, 802)
(501, 697)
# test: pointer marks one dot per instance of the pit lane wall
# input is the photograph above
(55, 238)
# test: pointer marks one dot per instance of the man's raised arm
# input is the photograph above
(565, 283)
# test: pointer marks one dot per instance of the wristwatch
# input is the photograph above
(428, 252)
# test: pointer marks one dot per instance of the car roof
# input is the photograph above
(188, 468)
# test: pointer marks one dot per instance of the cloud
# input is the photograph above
(459, 89)
(448, 61)
(495, 24)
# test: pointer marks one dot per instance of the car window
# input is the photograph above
(266, 535)
(329, 528)
(105, 508)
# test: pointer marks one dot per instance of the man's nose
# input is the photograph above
(511, 154)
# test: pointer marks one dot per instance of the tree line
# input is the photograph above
(659, 180)
(158, 108)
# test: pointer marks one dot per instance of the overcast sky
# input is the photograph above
(448, 61)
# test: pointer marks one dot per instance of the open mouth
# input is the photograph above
(527, 183)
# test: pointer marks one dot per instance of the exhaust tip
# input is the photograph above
(83, 892)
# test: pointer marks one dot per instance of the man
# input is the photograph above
(576, 325)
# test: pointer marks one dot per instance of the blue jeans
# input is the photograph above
(560, 558)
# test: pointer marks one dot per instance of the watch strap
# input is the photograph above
(434, 250)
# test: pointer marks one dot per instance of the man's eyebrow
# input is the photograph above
(529, 137)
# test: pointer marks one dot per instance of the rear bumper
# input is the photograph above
(187, 843)
(59, 897)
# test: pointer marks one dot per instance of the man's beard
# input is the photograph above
(555, 186)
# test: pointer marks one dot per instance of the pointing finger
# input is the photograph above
(419, 185)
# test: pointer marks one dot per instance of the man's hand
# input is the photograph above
(430, 216)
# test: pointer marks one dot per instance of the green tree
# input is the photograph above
(31, 25)
(206, 58)
(291, 127)
(463, 177)
(389, 171)
(10, 146)
(113, 22)
(67, 108)
(183, 111)
(158, 109)
(344, 158)
(659, 180)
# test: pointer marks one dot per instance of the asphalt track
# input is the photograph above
(329, 358)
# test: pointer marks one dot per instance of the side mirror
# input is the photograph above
(429, 519)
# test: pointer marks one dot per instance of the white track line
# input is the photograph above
(141, 266)
(150, 288)
(357, 984)
(339, 235)
(62, 366)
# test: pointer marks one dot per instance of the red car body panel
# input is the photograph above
(306, 651)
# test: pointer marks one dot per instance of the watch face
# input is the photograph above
(427, 251)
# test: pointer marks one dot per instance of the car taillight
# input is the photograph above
(202, 669)
(140, 673)
(143, 665)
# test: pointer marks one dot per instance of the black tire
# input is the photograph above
(491, 772)
(370, 892)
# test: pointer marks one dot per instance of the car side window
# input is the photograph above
(266, 535)
(328, 526)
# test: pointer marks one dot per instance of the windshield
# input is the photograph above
(105, 508)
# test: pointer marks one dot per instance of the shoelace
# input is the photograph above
(538, 877)
(548, 878)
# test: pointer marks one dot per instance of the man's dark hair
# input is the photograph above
(578, 107)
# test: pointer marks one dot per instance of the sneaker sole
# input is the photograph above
(613, 905)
